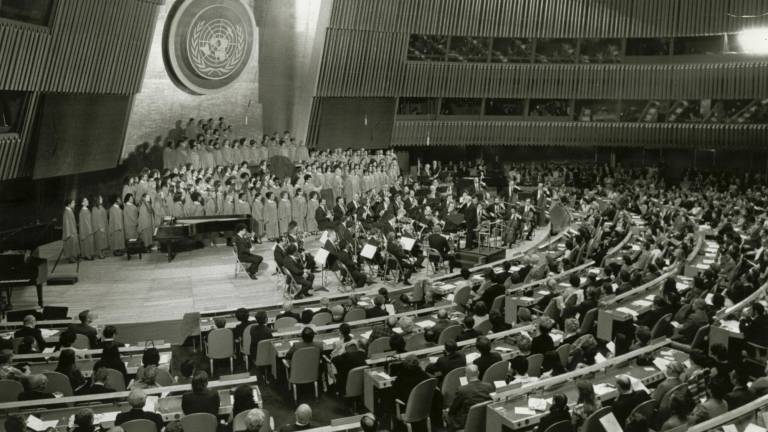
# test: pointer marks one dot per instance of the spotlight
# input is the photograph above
(754, 41)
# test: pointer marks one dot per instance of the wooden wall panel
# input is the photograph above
(543, 133)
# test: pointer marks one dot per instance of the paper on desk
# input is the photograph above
(650, 297)
(708, 298)
(165, 358)
(367, 334)
(730, 428)
(390, 309)
(292, 342)
(46, 333)
(524, 411)
(463, 381)
(425, 324)
(681, 286)
(472, 357)
(397, 330)
(707, 261)
(754, 428)
(642, 303)
(627, 311)
(503, 349)
(384, 375)
(602, 388)
(38, 425)
(105, 417)
(731, 325)
(543, 292)
(611, 347)
(499, 384)
(599, 358)
(661, 363)
(150, 404)
(610, 424)
(637, 385)
(432, 359)
(557, 337)
(539, 404)
(363, 303)
(331, 341)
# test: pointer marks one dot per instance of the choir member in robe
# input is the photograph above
(177, 210)
(159, 209)
(349, 187)
(85, 231)
(312, 205)
(146, 221)
(130, 218)
(99, 225)
(301, 152)
(241, 205)
(71, 241)
(299, 210)
(257, 212)
(209, 206)
(169, 156)
(283, 213)
(270, 217)
(115, 227)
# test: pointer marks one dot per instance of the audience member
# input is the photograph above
(558, 412)
(487, 356)
(137, 399)
(451, 360)
(242, 400)
(475, 391)
(200, 399)
(85, 328)
(303, 420)
(307, 341)
(627, 399)
(30, 333)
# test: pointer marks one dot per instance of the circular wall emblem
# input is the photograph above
(207, 43)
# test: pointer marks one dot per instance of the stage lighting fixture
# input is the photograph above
(754, 41)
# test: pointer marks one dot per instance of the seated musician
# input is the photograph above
(529, 219)
(440, 243)
(293, 237)
(396, 252)
(292, 263)
(336, 253)
(243, 246)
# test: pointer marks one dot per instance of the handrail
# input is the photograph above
(132, 350)
(438, 349)
(642, 287)
(122, 394)
(742, 304)
(559, 379)
(730, 415)
(696, 249)
(557, 276)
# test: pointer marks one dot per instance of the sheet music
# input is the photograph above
(321, 256)
(369, 251)
(407, 243)
(610, 424)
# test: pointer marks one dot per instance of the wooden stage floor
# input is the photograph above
(152, 289)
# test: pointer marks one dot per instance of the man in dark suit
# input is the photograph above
(396, 252)
(354, 207)
(659, 309)
(628, 399)
(99, 384)
(136, 399)
(755, 326)
(438, 242)
(322, 217)
(450, 361)
(200, 399)
(474, 392)
(694, 321)
(408, 375)
(336, 253)
(259, 332)
(469, 331)
(244, 255)
(472, 220)
(84, 327)
(30, 332)
(288, 312)
(378, 308)
(345, 362)
(108, 337)
(442, 322)
(35, 388)
(279, 251)
(487, 357)
(740, 394)
(339, 211)
(302, 277)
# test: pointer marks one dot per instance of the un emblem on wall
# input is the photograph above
(207, 43)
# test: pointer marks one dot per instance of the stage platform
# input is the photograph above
(480, 255)
(152, 289)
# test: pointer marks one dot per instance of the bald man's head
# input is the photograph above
(303, 415)
(472, 372)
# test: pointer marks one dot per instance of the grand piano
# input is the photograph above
(20, 264)
(189, 229)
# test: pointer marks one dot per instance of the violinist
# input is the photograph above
(514, 226)
(294, 238)
(353, 206)
(338, 254)
(243, 245)
(397, 253)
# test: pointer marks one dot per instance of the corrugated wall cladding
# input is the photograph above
(549, 18)
(91, 46)
(541, 133)
(344, 74)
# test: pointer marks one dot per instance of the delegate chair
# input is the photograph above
(451, 384)
(264, 355)
(81, 342)
(139, 425)
(564, 351)
(415, 342)
(58, 383)
(10, 390)
(354, 314)
(285, 323)
(496, 372)
(419, 404)
(378, 346)
(449, 333)
(354, 387)
(534, 364)
(245, 345)
(662, 327)
(476, 417)
(115, 380)
(221, 345)
(563, 426)
(461, 296)
(304, 369)
(592, 423)
(199, 422)
(321, 318)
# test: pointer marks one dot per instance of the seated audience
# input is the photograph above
(450, 360)
(469, 331)
(407, 375)
(303, 420)
(377, 310)
(627, 399)
(85, 328)
(443, 321)
(679, 408)
(487, 356)
(200, 399)
(754, 324)
(288, 312)
(147, 380)
(307, 340)
(254, 421)
(586, 404)
(110, 358)
(7, 369)
(259, 332)
(475, 391)
(108, 337)
(99, 384)
(242, 400)
(84, 421)
(30, 332)
(34, 388)
(558, 412)
(137, 399)
(739, 394)
(351, 358)
(68, 366)
(543, 342)
(384, 329)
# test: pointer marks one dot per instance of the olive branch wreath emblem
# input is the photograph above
(198, 58)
